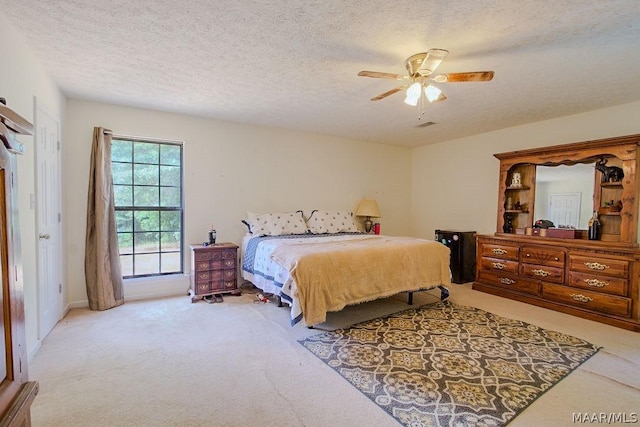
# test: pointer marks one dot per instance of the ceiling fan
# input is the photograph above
(421, 67)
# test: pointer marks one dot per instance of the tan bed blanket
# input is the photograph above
(327, 276)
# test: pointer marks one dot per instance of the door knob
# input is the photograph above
(45, 236)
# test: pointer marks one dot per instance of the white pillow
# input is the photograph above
(276, 224)
(321, 222)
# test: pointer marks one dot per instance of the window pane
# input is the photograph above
(146, 242)
(126, 265)
(146, 196)
(146, 152)
(146, 221)
(170, 221)
(125, 243)
(122, 173)
(123, 195)
(170, 241)
(170, 196)
(121, 150)
(148, 264)
(170, 154)
(146, 174)
(170, 175)
(170, 262)
(124, 221)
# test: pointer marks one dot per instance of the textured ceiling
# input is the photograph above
(294, 64)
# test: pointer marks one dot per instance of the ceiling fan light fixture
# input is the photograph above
(432, 93)
(413, 94)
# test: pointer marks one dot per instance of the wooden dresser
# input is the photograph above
(214, 270)
(595, 279)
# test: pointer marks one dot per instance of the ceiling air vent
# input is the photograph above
(424, 125)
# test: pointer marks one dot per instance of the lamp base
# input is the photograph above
(368, 224)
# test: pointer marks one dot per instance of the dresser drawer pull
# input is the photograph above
(507, 281)
(498, 265)
(581, 298)
(498, 251)
(540, 272)
(596, 283)
(596, 266)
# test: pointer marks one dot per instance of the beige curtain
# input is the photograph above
(101, 259)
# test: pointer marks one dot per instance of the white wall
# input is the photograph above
(231, 169)
(21, 79)
(455, 183)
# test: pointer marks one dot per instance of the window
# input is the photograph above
(147, 184)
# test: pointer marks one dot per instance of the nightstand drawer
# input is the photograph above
(594, 301)
(206, 276)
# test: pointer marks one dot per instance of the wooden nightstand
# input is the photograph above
(214, 270)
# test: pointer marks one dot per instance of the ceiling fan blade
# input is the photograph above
(432, 61)
(475, 76)
(388, 93)
(441, 98)
(379, 75)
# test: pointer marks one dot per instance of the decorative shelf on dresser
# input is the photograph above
(214, 270)
(594, 279)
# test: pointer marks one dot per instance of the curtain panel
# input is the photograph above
(103, 274)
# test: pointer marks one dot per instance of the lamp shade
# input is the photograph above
(368, 207)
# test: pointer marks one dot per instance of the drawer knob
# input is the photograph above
(581, 298)
(557, 259)
(498, 251)
(540, 272)
(528, 255)
(507, 281)
(596, 283)
(596, 266)
(498, 265)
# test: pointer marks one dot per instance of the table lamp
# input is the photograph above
(368, 208)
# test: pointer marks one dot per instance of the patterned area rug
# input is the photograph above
(450, 365)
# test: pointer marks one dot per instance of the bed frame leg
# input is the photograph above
(279, 301)
(410, 298)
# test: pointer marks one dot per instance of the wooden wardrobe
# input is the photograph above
(16, 391)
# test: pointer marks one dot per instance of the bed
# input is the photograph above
(317, 273)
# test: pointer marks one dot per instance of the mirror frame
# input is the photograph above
(624, 148)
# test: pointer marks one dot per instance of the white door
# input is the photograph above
(564, 209)
(49, 221)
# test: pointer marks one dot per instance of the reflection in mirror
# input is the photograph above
(564, 194)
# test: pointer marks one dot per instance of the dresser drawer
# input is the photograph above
(609, 285)
(594, 301)
(607, 266)
(494, 264)
(543, 272)
(208, 255)
(543, 256)
(499, 251)
(510, 282)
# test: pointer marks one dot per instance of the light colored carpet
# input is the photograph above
(168, 362)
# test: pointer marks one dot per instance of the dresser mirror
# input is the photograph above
(564, 194)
